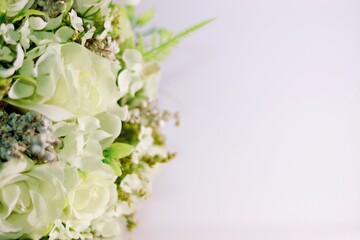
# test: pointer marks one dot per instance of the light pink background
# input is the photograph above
(269, 147)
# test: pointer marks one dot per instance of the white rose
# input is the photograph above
(13, 7)
(91, 198)
(71, 78)
(31, 198)
(71, 81)
(92, 6)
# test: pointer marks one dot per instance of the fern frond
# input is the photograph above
(158, 52)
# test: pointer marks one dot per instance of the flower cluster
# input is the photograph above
(80, 135)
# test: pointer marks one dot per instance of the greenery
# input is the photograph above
(163, 41)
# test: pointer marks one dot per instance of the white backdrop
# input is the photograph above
(269, 146)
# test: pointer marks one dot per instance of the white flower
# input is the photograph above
(13, 7)
(107, 227)
(133, 60)
(8, 33)
(107, 28)
(131, 2)
(31, 198)
(151, 74)
(24, 33)
(91, 197)
(76, 22)
(92, 6)
(88, 35)
(8, 72)
(81, 143)
(145, 139)
(130, 79)
(145, 142)
(139, 75)
(64, 231)
(131, 183)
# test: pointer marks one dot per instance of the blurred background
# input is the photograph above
(269, 147)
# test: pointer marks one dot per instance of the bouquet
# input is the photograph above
(80, 135)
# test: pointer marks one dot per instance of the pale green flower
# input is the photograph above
(92, 6)
(31, 198)
(13, 7)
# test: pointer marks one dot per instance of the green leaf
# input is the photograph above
(54, 23)
(118, 151)
(130, 12)
(64, 33)
(114, 164)
(27, 13)
(145, 18)
(158, 52)
(3, 7)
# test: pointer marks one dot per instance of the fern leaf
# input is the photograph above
(163, 49)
